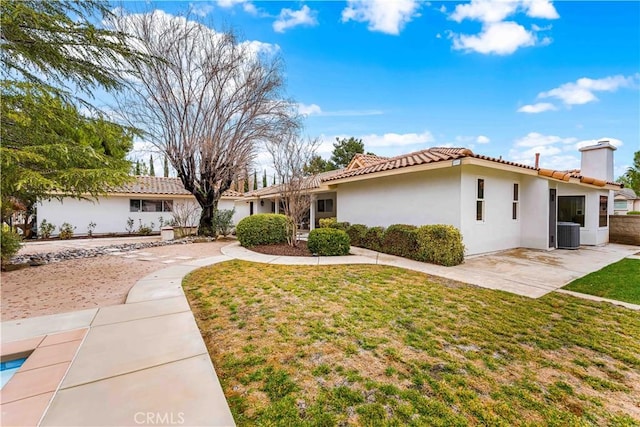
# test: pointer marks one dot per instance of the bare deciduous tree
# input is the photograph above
(290, 155)
(207, 101)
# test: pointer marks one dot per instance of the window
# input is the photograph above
(604, 211)
(514, 205)
(480, 200)
(136, 205)
(620, 204)
(571, 209)
(325, 205)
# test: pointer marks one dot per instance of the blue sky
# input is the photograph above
(502, 78)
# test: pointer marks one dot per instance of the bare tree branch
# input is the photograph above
(208, 103)
(290, 155)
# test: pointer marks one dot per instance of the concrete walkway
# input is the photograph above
(145, 362)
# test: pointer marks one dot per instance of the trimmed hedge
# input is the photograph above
(333, 223)
(262, 229)
(440, 244)
(373, 239)
(328, 242)
(401, 240)
(356, 234)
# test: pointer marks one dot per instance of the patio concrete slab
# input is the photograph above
(33, 382)
(25, 412)
(126, 347)
(140, 310)
(51, 355)
(184, 392)
(23, 329)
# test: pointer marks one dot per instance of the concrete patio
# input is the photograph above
(145, 362)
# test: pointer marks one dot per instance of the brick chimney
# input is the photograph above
(597, 160)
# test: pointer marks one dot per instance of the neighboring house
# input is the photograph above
(625, 200)
(496, 204)
(145, 200)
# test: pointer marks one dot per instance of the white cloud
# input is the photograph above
(582, 90)
(481, 139)
(540, 107)
(385, 16)
(229, 3)
(540, 9)
(250, 8)
(397, 139)
(201, 9)
(309, 110)
(289, 18)
(501, 38)
(315, 110)
(535, 139)
(489, 11)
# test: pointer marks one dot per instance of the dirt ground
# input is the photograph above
(85, 283)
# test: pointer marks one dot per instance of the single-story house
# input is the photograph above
(625, 200)
(495, 203)
(145, 201)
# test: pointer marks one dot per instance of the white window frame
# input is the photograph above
(480, 201)
(164, 202)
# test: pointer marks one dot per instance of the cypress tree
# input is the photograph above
(264, 179)
(255, 180)
(152, 171)
(166, 167)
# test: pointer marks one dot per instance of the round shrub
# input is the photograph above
(400, 240)
(10, 243)
(440, 244)
(262, 229)
(328, 242)
(356, 234)
(373, 238)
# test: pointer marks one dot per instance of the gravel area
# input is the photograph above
(77, 284)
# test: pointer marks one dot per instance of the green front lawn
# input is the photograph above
(619, 281)
(375, 345)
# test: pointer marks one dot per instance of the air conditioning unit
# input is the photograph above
(568, 235)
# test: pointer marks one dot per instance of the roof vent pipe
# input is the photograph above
(537, 160)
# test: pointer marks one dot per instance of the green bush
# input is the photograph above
(328, 242)
(373, 238)
(223, 221)
(440, 244)
(400, 240)
(46, 229)
(66, 231)
(327, 222)
(356, 234)
(340, 225)
(633, 213)
(10, 243)
(262, 229)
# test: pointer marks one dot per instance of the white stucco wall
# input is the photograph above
(534, 212)
(498, 231)
(110, 214)
(591, 233)
(419, 198)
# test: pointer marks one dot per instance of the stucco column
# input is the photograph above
(312, 212)
(277, 202)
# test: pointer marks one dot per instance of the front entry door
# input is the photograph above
(552, 217)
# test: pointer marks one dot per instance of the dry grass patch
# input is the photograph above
(375, 345)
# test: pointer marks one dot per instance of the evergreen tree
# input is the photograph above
(138, 167)
(246, 181)
(344, 149)
(152, 171)
(274, 179)
(255, 180)
(264, 179)
(166, 167)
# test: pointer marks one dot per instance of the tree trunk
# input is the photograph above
(206, 226)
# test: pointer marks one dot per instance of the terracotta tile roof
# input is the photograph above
(310, 183)
(161, 186)
(364, 160)
(575, 173)
(430, 155)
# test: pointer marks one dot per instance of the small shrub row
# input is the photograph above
(633, 213)
(438, 244)
(333, 223)
(262, 229)
(328, 242)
